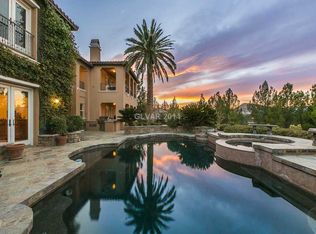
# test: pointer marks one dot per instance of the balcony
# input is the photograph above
(16, 37)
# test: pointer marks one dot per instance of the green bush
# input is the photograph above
(173, 117)
(75, 123)
(57, 125)
(237, 128)
(292, 132)
(128, 115)
(198, 114)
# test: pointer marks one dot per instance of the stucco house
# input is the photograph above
(102, 88)
(19, 40)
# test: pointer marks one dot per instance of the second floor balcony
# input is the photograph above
(15, 36)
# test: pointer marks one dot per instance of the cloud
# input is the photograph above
(276, 43)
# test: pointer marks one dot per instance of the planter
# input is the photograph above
(74, 137)
(47, 140)
(61, 140)
(15, 151)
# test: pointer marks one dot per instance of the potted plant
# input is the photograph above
(58, 125)
(15, 151)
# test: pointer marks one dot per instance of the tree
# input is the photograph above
(149, 207)
(165, 105)
(200, 113)
(150, 53)
(192, 154)
(141, 98)
(261, 102)
(227, 107)
(313, 95)
(174, 104)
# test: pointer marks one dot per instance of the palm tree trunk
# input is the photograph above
(150, 169)
(150, 91)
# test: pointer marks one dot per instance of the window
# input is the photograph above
(108, 79)
(20, 20)
(135, 90)
(126, 83)
(82, 110)
(15, 26)
(131, 87)
(82, 77)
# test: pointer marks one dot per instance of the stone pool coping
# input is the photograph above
(44, 169)
(292, 159)
(287, 145)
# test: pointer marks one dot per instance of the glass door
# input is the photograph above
(21, 115)
(4, 112)
(15, 115)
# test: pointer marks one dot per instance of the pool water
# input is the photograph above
(172, 187)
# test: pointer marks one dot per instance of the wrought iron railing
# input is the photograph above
(15, 36)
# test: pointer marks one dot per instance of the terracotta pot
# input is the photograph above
(61, 140)
(15, 151)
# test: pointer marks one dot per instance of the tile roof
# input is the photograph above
(71, 23)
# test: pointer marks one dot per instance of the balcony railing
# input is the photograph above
(105, 87)
(15, 36)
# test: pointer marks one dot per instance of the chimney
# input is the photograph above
(95, 50)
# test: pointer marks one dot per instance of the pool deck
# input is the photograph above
(41, 171)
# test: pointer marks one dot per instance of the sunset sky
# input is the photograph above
(220, 44)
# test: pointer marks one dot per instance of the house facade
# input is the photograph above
(102, 88)
(19, 68)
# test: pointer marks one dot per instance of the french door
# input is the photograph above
(15, 115)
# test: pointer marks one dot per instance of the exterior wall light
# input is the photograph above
(55, 102)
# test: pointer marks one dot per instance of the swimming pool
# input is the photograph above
(175, 186)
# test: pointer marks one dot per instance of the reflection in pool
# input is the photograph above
(172, 187)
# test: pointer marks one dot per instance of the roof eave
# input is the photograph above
(72, 25)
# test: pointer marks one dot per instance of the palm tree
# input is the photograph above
(150, 54)
(149, 207)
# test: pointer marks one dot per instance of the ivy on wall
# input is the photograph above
(56, 54)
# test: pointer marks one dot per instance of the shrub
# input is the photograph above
(173, 117)
(292, 132)
(75, 123)
(57, 125)
(198, 114)
(237, 128)
(128, 115)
